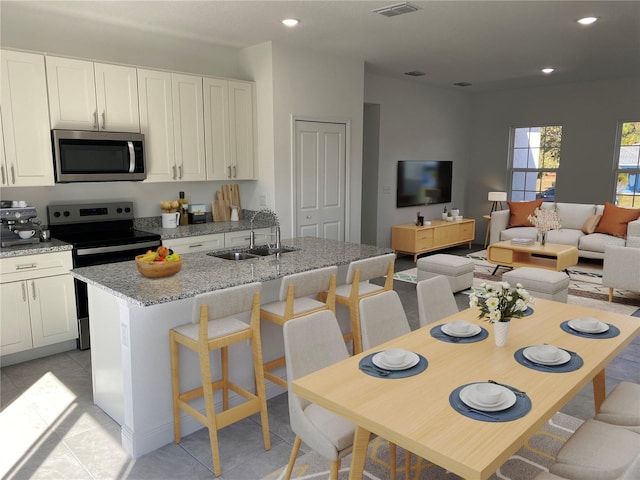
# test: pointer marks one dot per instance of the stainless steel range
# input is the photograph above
(100, 233)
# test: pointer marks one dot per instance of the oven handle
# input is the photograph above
(116, 248)
(132, 157)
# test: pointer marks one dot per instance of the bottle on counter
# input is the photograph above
(182, 208)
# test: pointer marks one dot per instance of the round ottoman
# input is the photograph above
(540, 283)
(458, 270)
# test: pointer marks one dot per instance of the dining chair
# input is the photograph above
(435, 300)
(299, 296)
(622, 407)
(382, 318)
(313, 342)
(597, 451)
(219, 320)
(357, 286)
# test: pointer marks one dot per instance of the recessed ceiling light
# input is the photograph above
(548, 70)
(587, 20)
(415, 73)
(290, 22)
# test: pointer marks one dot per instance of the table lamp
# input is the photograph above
(497, 198)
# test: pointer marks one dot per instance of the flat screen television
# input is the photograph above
(422, 182)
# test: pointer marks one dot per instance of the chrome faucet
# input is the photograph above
(272, 214)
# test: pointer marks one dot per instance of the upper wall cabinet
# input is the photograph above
(26, 158)
(171, 118)
(229, 129)
(85, 95)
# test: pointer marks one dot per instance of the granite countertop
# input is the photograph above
(153, 225)
(203, 273)
(34, 249)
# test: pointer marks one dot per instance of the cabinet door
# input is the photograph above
(216, 128)
(156, 123)
(117, 98)
(53, 310)
(241, 134)
(242, 238)
(199, 243)
(15, 323)
(188, 127)
(25, 121)
(72, 94)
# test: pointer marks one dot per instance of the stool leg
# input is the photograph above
(354, 313)
(335, 468)
(256, 347)
(392, 461)
(175, 386)
(205, 372)
(292, 458)
(224, 367)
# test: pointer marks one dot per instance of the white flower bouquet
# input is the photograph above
(545, 219)
(500, 303)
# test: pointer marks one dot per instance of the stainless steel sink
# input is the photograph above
(265, 250)
(234, 255)
(257, 252)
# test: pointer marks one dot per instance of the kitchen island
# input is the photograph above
(130, 318)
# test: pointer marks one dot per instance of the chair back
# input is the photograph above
(382, 318)
(371, 268)
(223, 303)
(307, 283)
(435, 300)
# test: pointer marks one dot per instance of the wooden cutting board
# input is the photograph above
(231, 194)
(221, 208)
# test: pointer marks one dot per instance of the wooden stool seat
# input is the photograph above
(218, 322)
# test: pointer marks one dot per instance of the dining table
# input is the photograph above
(423, 412)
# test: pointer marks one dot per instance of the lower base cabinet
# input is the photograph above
(36, 313)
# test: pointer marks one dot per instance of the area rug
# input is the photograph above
(537, 454)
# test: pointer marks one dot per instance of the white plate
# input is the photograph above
(530, 354)
(576, 324)
(378, 360)
(467, 396)
(473, 330)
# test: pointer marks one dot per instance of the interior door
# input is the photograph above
(320, 179)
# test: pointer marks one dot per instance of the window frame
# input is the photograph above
(617, 169)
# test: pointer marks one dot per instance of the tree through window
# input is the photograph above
(535, 159)
(628, 170)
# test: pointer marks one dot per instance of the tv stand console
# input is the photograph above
(415, 240)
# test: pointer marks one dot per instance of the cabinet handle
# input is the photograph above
(95, 119)
(26, 266)
(235, 173)
(3, 176)
(180, 172)
(174, 172)
(195, 245)
(24, 293)
(33, 289)
(229, 167)
(13, 175)
(104, 122)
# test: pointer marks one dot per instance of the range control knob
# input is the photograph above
(66, 213)
(119, 210)
(56, 214)
(127, 209)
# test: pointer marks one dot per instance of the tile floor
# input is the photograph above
(49, 427)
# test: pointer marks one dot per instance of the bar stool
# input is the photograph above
(218, 321)
(295, 300)
(357, 287)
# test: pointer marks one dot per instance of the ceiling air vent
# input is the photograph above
(415, 73)
(396, 9)
(462, 84)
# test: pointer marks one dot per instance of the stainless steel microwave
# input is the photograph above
(87, 156)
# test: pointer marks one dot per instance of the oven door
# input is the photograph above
(86, 257)
(82, 156)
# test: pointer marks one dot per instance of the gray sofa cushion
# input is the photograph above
(572, 215)
(595, 242)
(565, 236)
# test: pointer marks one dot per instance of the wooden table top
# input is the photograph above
(546, 249)
(415, 413)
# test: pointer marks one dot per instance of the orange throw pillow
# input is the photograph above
(520, 211)
(615, 219)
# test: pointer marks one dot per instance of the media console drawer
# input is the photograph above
(415, 240)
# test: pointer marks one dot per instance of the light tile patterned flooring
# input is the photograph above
(49, 427)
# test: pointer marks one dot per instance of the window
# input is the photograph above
(535, 159)
(628, 169)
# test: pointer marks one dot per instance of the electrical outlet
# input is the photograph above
(263, 200)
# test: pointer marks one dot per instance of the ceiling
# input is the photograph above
(493, 45)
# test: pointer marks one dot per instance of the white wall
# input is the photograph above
(322, 87)
(418, 122)
(589, 114)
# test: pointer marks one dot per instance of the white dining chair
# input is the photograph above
(312, 342)
(622, 407)
(435, 300)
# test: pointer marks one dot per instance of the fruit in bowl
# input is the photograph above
(159, 263)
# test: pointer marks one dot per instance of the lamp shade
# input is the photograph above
(497, 196)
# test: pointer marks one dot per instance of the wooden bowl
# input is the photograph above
(158, 269)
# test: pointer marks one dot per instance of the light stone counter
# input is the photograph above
(35, 249)
(204, 273)
(130, 317)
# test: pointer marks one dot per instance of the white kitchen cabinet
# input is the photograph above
(229, 129)
(38, 301)
(242, 238)
(84, 95)
(26, 158)
(171, 118)
(198, 243)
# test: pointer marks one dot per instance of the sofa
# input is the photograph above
(588, 227)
